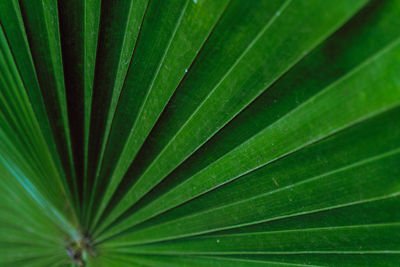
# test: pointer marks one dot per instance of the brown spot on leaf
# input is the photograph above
(275, 182)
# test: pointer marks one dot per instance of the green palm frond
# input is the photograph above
(199, 133)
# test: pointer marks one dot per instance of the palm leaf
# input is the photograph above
(199, 133)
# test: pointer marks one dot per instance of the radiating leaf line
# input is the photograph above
(117, 84)
(160, 203)
(255, 187)
(231, 229)
(342, 215)
(209, 42)
(313, 241)
(89, 82)
(266, 133)
(134, 194)
(248, 261)
(321, 93)
(258, 36)
(37, 196)
(270, 22)
(55, 51)
(31, 150)
(12, 23)
(79, 26)
(360, 226)
(48, 240)
(221, 80)
(273, 260)
(193, 227)
(10, 78)
(36, 141)
(171, 260)
(358, 163)
(120, 77)
(39, 259)
(329, 259)
(334, 42)
(112, 188)
(163, 93)
(46, 53)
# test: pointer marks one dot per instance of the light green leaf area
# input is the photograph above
(23, 148)
(31, 232)
(199, 133)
